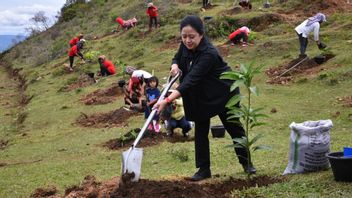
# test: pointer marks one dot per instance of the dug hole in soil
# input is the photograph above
(113, 188)
(308, 66)
(116, 118)
(149, 139)
(104, 96)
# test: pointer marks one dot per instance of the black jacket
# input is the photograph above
(204, 94)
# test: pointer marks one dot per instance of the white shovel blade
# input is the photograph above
(132, 162)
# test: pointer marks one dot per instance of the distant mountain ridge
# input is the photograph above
(6, 41)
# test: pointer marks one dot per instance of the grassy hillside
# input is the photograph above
(41, 145)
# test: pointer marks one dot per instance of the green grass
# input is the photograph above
(57, 152)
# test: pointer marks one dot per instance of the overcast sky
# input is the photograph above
(15, 14)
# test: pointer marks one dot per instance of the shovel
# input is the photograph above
(132, 158)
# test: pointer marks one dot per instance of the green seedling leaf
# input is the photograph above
(236, 84)
(254, 90)
(234, 100)
(230, 76)
(261, 147)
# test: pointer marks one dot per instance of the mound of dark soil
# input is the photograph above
(149, 139)
(165, 188)
(310, 7)
(276, 73)
(262, 22)
(3, 144)
(83, 81)
(235, 10)
(49, 191)
(346, 101)
(114, 118)
(103, 96)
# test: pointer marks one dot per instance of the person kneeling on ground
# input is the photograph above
(107, 68)
(126, 24)
(240, 34)
(177, 118)
(310, 25)
(76, 51)
(133, 96)
(75, 40)
(245, 4)
(152, 94)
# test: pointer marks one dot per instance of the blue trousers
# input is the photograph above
(182, 123)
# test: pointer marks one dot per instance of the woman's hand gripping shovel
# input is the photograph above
(132, 158)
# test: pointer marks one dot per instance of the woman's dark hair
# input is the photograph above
(155, 79)
(193, 21)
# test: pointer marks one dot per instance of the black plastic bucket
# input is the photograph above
(320, 59)
(121, 83)
(218, 131)
(341, 166)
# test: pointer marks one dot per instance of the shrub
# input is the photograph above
(180, 154)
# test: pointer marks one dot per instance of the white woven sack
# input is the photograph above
(309, 143)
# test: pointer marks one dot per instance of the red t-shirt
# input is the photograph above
(152, 11)
(109, 66)
(238, 31)
(74, 41)
(73, 51)
(120, 21)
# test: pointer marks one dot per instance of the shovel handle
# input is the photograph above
(171, 81)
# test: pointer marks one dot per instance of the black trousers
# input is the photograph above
(202, 140)
(303, 42)
(153, 20)
(238, 38)
(205, 3)
(104, 71)
(71, 58)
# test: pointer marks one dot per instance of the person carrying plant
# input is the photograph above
(75, 40)
(152, 95)
(241, 34)
(204, 94)
(107, 68)
(75, 51)
(152, 12)
(177, 118)
(245, 4)
(133, 94)
(312, 24)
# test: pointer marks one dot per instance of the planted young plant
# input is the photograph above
(245, 115)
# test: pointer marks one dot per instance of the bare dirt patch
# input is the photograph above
(116, 118)
(184, 1)
(171, 44)
(235, 10)
(311, 7)
(103, 96)
(149, 139)
(3, 144)
(262, 22)
(345, 101)
(44, 192)
(182, 188)
(223, 49)
(281, 75)
(83, 81)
